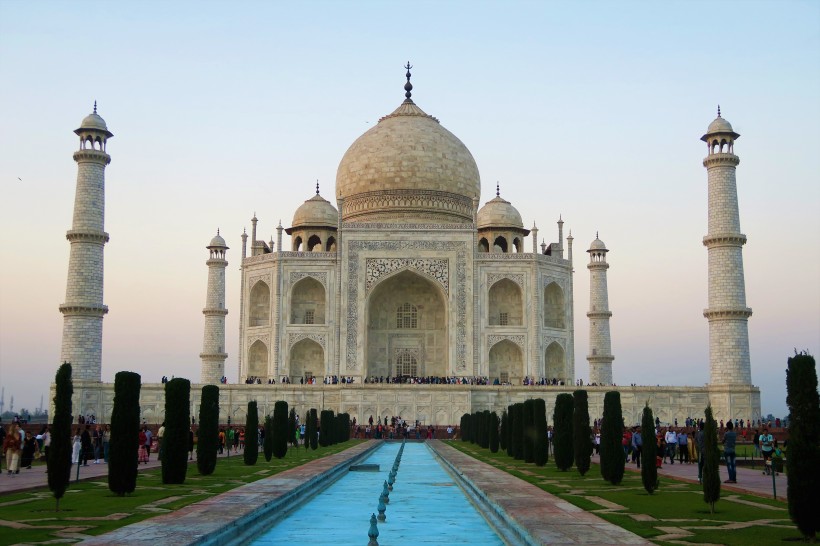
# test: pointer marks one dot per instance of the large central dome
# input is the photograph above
(408, 169)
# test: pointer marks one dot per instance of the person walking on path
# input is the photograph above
(637, 445)
(106, 441)
(160, 434)
(11, 445)
(683, 452)
(729, 440)
(148, 436)
(671, 443)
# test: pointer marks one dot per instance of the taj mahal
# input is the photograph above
(405, 296)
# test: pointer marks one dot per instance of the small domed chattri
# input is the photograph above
(217, 241)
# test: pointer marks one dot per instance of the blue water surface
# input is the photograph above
(426, 507)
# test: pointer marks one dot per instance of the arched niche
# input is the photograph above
(407, 315)
(500, 244)
(506, 307)
(331, 244)
(554, 306)
(307, 302)
(483, 245)
(297, 244)
(258, 359)
(506, 362)
(307, 358)
(555, 362)
(259, 305)
(314, 244)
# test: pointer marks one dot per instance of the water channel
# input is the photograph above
(426, 507)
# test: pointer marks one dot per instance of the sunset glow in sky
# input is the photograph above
(592, 111)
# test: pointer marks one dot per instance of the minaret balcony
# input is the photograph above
(86, 236)
(599, 314)
(92, 155)
(724, 239)
(79, 309)
(213, 312)
(721, 159)
(728, 313)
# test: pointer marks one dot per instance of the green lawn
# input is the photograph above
(738, 520)
(89, 508)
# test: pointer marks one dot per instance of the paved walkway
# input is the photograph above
(749, 480)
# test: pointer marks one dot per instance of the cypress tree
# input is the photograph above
(125, 426)
(529, 432)
(59, 457)
(312, 428)
(251, 452)
(293, 437)
(510, 428)
(518, 432)
(541, 448)
(326, 428)
(177, 425)
(493, 432)
(267, 443)
(502, 432)
(465, 427)
(280, 429)
(581, 431)
(803, 461)
(613, 460)
(711, 461)
(483, 428)
(208, 432)
(649, 451)
(562, 431)
(475, 429)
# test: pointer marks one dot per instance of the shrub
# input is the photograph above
(251, 453)
(509, 431)
(562, 431)
(493, 432)
(312, 429)
(502, 431)
(125, 426)
(612, 434)
(541, 449)
(208, 432)
(518, 431)
(649, 451)
(280, 429)
(529, 432)
(803, 461)
(711, 461)
(177, 425)
(581, 431)
(465, 427)
(59, 457)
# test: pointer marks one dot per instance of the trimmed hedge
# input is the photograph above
(207, 443)
(177, 426)
(59, 456)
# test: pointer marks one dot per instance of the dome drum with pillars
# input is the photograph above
(406, 277)
(314, 225)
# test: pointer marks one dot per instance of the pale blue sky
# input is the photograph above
(591, 110)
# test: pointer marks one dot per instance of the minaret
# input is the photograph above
(213, 353)
(727, 313)
(600, 348)
(83, 309)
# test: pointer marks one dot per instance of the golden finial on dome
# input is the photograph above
(408, 86)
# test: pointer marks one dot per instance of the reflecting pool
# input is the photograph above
(425, 507)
